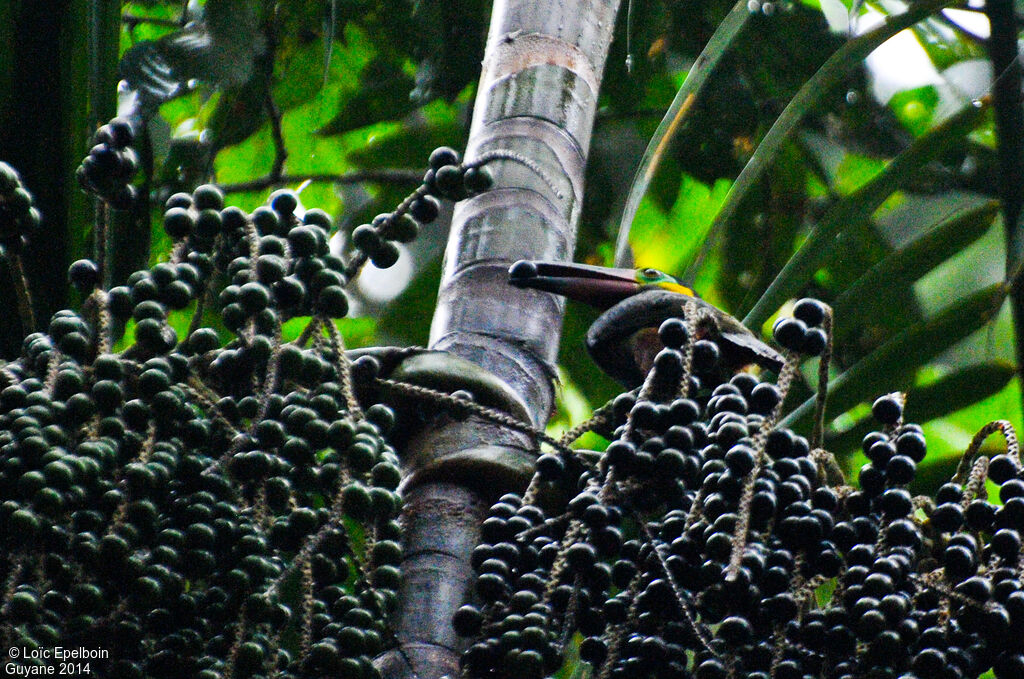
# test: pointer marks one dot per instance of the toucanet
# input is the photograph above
(623, 341)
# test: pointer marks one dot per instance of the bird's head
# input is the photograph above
(634, 302)
(598, 286)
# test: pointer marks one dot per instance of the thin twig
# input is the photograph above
(21, 293)
(344, 367)
(391, 176)
(602, 417)
(822, 395)
(1012, 447)
(483, 412)
(197, 315)
(685, 607)
(274, 113)
(739, 539)
(100, 243)
(360, 258)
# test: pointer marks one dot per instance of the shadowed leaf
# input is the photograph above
(857, 208)
(873, 289)
(942, 397)
(383, 94)
(698, 77)
(833, 72)
(891, 366)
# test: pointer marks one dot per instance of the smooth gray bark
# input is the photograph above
(537, 98)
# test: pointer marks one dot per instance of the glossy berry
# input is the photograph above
(810, 311)
(425, 209)
(887, 410)
(386, 256)
(477, 180)
(449, 181)
(178, 223)
(672, 333)
(442, 156)
(208, 197)
(283, 202)
(84, 275)
(790, 333)
(367, 239)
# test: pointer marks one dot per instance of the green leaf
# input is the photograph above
(299, 73)
(240, 112)
(861, 299)
(857, 208)
(754, 248)
(890, 366)
(571, 408)
(943, 46)
(855, 170)
(383, 94)
(180, 319)
(451, 47)
(834, 71)
(948, 394)
(574, 359)
(410, 145)
(221, 51)
(698, 77)
(667, 241)
(356, 332)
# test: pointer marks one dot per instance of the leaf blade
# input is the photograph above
(856, 208)
(883, 369)
(913, 261)
(698, 77)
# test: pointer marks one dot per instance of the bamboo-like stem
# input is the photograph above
(537, 100)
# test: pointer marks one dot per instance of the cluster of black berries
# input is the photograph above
(191, 500)
(709, 542)
(804, 331)
(18, 219)
(447, 178)
(111, 165)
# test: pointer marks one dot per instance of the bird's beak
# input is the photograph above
(597, 286)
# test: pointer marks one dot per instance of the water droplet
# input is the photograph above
(768, 9)
(852, 97)
(977, 103)
(753, 6)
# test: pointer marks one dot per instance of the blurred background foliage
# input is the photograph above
(879, 195)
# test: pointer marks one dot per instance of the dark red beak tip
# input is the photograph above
(522, 271)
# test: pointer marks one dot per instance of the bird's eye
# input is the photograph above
(650, 274)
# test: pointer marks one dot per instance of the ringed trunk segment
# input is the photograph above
(536, 101)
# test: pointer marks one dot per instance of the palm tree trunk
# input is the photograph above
(537, 99)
